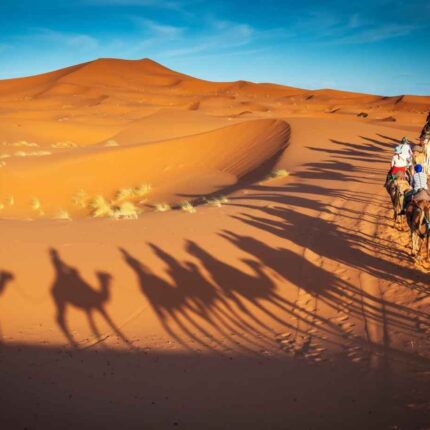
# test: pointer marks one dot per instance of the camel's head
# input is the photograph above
(55, 256)
(104, 278)
(192, 247)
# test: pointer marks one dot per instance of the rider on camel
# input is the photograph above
(399, 162)
(419, 187)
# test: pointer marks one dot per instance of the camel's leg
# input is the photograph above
(415, 244)
(61, 321)
(114, 327)
(428, 246)
(412, 241)
(92, 324)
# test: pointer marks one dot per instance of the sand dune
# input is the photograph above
(218, 158)
(114, 93)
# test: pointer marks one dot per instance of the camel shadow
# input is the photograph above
(191, 305)
(70, 289)
(5, 278)
(179, 303)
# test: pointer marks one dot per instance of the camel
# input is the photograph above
(418, 217)
(70, 289)
(397, 189)
(425, 143)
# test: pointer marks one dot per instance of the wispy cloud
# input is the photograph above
(224, 35)
(214, 36)
(81, 42)
(328, 28)
(158, 30)
(376, 33)
(177, 5)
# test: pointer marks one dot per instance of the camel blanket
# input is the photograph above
(420, 196)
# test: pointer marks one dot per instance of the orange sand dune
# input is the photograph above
(291, 301)
(181, 123)
(218, 158)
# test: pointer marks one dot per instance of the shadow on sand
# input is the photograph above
(5, 278)
(240, 384)
(70, 289)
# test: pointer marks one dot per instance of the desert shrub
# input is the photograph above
(188, 207)
(218, 201)
(143, 190)
(35, 204)
(66, 144)
(126, 210)
(62, 214)
(32, 153)
(162, 207)
(80, 199)
(100, 207)
(280, 173)
(23, 144)
(125, 194)
(132, 193)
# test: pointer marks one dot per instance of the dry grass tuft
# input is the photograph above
(188, 207)
(127, 194)
(218, 201)
(111, 143)
(162, 207)
(124, 194)
(127, 210)
(100, 207)
(143, 190)
(32, 153)
(62, 214)
(80, 199)
(276, 174)
(35, 204)
(24, 144)
(66, 144)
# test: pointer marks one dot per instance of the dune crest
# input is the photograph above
(194, 165)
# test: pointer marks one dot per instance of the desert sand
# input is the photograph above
(191, 254)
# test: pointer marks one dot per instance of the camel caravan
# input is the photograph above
(407, 186)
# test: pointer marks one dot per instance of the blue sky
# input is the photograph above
(379, 46)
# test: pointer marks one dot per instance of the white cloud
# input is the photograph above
(212, 36)
(377, 33)
(223, 35)
(159, 4)
(82, 42)
(158, 30)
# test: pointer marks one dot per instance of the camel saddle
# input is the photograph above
(422, 195)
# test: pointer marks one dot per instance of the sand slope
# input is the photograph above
(93, 101)
(218, 159)
(293, 303)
